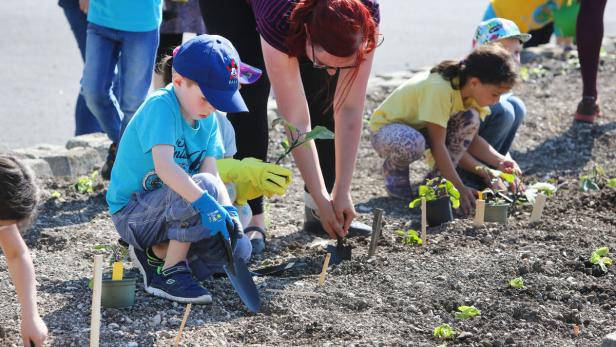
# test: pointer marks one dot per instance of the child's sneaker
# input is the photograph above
(397, 181)
(177, 283)
(146, 262)
(587, 110)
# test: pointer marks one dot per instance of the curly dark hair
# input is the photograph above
(18, 192)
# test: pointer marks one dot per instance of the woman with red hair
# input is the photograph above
(317, 55)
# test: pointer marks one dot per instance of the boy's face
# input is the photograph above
(514, 46)
(193, 104)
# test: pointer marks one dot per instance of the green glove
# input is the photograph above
(254, 178)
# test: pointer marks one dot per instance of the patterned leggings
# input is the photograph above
(401, 144)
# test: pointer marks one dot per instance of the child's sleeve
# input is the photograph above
(156, 126)
(435, 105)
(215, 144)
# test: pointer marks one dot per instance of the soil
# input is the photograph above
(399, 296)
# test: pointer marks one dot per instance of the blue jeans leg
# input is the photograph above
(135, 70)
(496, 127)
(519, 112)
(85, 122)
(102, 54)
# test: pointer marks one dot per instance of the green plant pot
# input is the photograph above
(438, 211)
(496, 213)
(118, 294)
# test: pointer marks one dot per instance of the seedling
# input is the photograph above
(532, 190)
(437, 188)
(409, 237)
(465, 312)
(611, 182)
(117, 252)
(299, 138)
(517, 283)
(596, 179)
(86, 184)
(444, 332)
(599, 257)
(56, 195)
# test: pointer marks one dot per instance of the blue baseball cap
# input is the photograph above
(213, 63)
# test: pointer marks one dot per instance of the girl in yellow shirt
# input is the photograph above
(441, 110)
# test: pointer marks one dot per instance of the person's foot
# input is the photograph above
(146, 262)
(177, 283)
(256, 235)
(397, 181)
(312, 224)
(108, 166)
(587, 110)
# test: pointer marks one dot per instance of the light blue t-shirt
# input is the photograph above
(159, 122)
(126, 15)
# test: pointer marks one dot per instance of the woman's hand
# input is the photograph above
(329, 220)
(344, 209)
(33, 330)
(509, 166)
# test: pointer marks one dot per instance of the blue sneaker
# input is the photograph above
(146, 263)
(177, 283)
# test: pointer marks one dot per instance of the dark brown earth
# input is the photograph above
(399, 296)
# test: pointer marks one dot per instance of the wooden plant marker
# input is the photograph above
(423, 222)
(95, 323)
(480, 209)
(183, 324)
(377, 225)
(324, 270)
(535, 216)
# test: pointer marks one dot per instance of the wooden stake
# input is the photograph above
(480, 209)
(423, 222)
(95, 323)
(377, 224)
(324, 270)
(183, 324)
(535, 216)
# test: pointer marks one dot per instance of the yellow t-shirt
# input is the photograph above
(526, 14)
(426, 97)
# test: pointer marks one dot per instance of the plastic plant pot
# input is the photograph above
(438, 211)
(118, 294)
(496, 213)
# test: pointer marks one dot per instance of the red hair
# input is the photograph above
(341, 27)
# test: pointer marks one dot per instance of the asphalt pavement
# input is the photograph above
(41, 65)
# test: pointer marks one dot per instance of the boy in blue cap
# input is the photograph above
(165, 196)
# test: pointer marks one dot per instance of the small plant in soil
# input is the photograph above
(409, 237)
(444, 332)
(545, 188)
(116, 252)
(600, 257)
(56, 194)
(87, 184)
(596, 179)
(517, 283)
(298, 138)
(440, 195)
(465, 312)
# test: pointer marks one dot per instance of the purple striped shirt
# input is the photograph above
(272, 17)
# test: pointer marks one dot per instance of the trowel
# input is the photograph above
(341, 252)
(240, 277)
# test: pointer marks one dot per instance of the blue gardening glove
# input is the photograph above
(234, 227)
(213, 216)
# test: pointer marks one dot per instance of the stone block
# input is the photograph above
(99, 141)
(39, 166)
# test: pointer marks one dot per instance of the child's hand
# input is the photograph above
(34, 330)
(467, 199)
(509, 166)
(213, 216)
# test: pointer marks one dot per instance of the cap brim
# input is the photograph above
(224, 100)
(523, 37)
(249, 74)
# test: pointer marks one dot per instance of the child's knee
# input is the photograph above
(207, 182)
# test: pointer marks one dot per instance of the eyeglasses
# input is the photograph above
(326, 67)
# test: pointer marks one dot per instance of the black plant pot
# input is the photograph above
(438, 211)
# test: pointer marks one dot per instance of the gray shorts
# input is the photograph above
(157, 216)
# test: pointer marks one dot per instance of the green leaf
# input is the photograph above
(509, 177)
(409, 237)
(444, 332)
(466, 312)
(56, 195)
(602, 251)
(414, 203)
(285, 143)
(546, 188)
(423, 190)
(611, 182)
(517, 283)
(587, 184)
(523, 73)
(320, 132)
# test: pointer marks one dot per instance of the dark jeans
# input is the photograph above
(234, 20)
(85, 122)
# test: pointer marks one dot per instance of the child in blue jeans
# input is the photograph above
(165, 196)
(18, 200)
(506, 116)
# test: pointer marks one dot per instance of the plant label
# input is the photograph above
(117, 272)
(324, 270)
(480, 209)
(423, 222)
(183, 324)
(535, 216)
(376, 231)
(95, 322)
